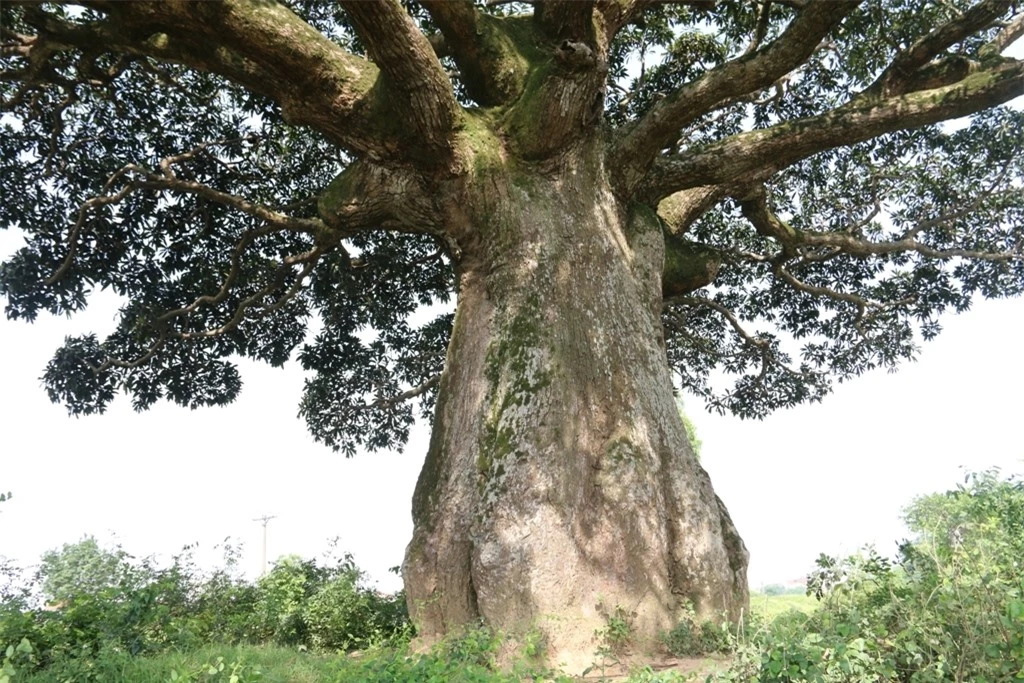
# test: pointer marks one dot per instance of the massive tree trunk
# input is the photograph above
(559, 483)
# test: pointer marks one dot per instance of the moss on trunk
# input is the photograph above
(560, 476)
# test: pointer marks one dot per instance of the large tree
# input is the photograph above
(754, 198)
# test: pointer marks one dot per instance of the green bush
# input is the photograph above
(125, 607)
(692, 637)
(950, 607)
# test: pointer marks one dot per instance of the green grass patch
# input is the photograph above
(212, 664)
(771, 606)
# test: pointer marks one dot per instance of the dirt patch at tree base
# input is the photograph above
(700, 666)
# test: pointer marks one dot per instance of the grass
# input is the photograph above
(771, 606)
(273, 664)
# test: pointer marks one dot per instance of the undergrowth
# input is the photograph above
(949, 607)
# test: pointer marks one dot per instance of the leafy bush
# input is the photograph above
(82, 568)
(692, 637)
(16, 657)
(105, 605)
(950, 607)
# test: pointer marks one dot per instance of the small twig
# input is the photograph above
(392, 401)
(761, 29)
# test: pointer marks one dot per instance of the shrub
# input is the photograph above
(692, 637)
(127, 607)
(950, 607)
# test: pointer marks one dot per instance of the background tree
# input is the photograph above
(616, 190)
(81, 568)
(691, 430)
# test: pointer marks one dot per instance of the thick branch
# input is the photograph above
(260, 45)
(760, 153)
(688, 266)
(489, 62)
(564, 103)
(660, 127)
(680, 210)
(566, 19)
(368, 196)
(413, 76)
(905, 65)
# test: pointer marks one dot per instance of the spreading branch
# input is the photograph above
(136, 177)
(413, 76)
(758, 154)
(757, 347)
(804, 246)
(904, 67)
(388, 402)
(315, 81)
(641, 142)
(755, 209)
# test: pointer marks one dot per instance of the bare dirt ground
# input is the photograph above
(701, 666)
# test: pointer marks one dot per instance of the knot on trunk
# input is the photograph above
(575, 56)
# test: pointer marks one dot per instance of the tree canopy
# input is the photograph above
(205, 162)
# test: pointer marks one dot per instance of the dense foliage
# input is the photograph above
(86, 604)
(950, 607)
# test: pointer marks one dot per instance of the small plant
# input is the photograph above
(649, 675)
(692, 637)
(15, 657)
(476, 646)
(613, 638)
(216, 671)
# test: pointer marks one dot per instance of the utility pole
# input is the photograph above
(263, 556)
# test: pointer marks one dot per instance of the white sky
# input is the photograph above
(818, 478)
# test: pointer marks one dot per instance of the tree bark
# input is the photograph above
(559, 483)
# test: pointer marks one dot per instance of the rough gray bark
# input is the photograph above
(559, 481)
